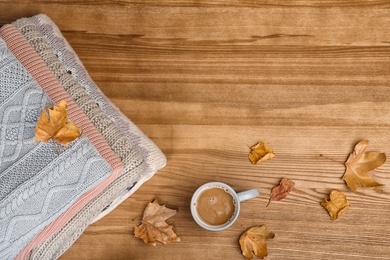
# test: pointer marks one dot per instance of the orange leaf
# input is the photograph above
(260, 153)
(252, 242)
(281, 191)
(336, 204)
(67, 134)
(54, 123)
(359, 163)
(153, 227)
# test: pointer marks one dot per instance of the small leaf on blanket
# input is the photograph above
(54, 124)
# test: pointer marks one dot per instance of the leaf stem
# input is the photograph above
(330, 159)
(56, 148)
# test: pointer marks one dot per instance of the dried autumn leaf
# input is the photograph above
(54, 123)
(252, 242)
(260, 153)
(336, 204)
(153, 226)
(359, 163)
(281, 191)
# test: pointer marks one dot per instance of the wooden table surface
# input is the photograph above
(207, 79)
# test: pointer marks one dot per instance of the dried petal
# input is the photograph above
(252, 242)
(281, 191)
(260, 153)
(336, 204)
(153, 227)
(359, 163)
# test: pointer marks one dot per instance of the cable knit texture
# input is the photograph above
(47, 40)
(27, 56)
(36, 185)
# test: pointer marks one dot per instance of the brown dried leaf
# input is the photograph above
(359, 163)
(336, 204)
(281, 191)
(54, 123)
(153, 227)
(252, 242)
(260, 153)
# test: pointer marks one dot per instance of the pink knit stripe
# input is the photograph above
(31, 60)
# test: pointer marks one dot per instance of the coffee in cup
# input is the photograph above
(215, 205)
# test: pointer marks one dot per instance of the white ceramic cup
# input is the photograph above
(237, 198)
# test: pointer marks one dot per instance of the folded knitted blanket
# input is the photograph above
(31, 61)
(154, 158)
(36, 185)
(77, 83)
(130, 155)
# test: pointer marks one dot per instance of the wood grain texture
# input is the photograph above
(207, 79)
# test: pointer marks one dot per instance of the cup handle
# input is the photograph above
(248, 194)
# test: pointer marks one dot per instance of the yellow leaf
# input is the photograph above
(336, 204)
(153, 227)
(359, 163)
(260, 153)
(252, 242)
(54, 123)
